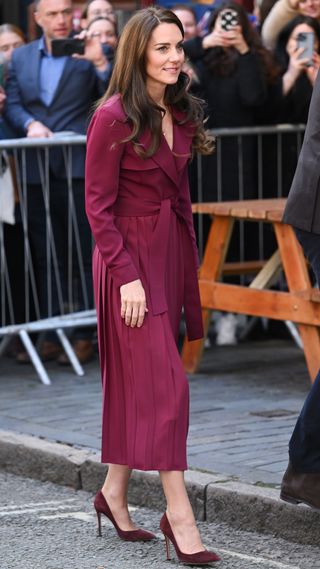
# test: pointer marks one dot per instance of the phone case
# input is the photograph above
(228, 19)
(67, 46)
(305, 40)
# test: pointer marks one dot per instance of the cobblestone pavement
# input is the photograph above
(44, 526)
(244, 403)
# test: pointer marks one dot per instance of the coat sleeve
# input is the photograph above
(279, 16)
(103, 163)
(14, 112)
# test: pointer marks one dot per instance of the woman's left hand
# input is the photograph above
(93, 51)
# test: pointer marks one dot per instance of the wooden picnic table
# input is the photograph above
(300, 304)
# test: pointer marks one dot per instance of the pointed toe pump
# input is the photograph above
(199, 558)
(101, 507)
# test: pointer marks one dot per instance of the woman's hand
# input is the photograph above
(231, 38)
(312, 71)
(133, 303)
(236, 40)
(93, 51)
(295, 68)
(216, 38)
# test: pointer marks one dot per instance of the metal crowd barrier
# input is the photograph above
(208, 183)
(31, 321)
(270, 148)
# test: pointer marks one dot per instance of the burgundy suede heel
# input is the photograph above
(102, 507)
(199, 558)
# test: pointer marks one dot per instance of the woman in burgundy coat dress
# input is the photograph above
(145, 269)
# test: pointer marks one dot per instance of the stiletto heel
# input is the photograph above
(101, 507)
(99, 523)
(198, 558)
(167, 540)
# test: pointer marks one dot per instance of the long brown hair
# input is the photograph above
(129, 80)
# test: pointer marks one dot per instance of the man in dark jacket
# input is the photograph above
(47, 94)
(301, 482)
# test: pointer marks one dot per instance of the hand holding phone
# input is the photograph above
(305, 42)
(67, 46)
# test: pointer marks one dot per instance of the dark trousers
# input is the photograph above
(61, 246)
(304, 445)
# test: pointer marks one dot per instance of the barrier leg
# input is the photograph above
(34, 356)
(70, 352)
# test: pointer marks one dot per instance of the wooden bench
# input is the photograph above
(301, 304)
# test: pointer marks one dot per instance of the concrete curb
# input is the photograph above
(215, 498)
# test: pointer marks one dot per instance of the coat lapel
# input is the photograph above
(67, 70)
(33, 71)
(172, 162)
(163, 157)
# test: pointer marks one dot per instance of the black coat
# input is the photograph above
(232, 101)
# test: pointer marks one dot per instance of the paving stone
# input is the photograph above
(227, 435)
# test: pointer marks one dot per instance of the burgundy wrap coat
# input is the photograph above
(140, 214)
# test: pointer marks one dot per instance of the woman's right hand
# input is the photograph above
(133, 303)
(218, 37)
(295, 68)
(297, 64)
(214, 39)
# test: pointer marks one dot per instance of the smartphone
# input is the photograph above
(228, 19)
(305, 40)
(67, 46)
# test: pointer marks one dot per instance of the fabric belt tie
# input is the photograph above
(158, 255)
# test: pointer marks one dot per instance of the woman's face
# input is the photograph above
(164, 55)
(100, 8)
(292, 41)
(310, 8)
(189, 23)
(105, 31)
(8, 42)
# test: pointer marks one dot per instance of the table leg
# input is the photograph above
(211, 268)
(297, 276)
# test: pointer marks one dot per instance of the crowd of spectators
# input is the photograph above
(250, 72)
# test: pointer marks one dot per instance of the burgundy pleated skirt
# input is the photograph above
(145, 390)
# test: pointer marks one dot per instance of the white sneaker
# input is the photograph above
(226, 328)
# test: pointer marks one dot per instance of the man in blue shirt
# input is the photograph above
(47, 94)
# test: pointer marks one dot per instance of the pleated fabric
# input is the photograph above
(145, 390)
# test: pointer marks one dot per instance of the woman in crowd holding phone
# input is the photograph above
(105, 29)
(233, 68)
(145, 268)
(297, 55)
(297, 52)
